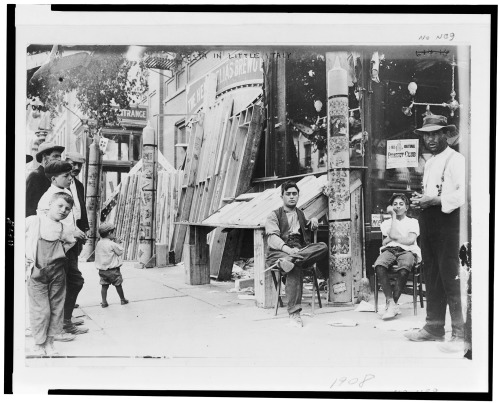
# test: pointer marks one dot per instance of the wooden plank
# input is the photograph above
(121, 206)
(134, 230)
(127, 222)
(196, 256)
(265, 293)
(356, 241)
(245, 168)
(187, 195)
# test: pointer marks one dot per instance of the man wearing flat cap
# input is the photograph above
(36, 182)
(77, 190)
(443, 195)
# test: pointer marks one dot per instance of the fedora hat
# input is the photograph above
(433, 123)
(47, 147)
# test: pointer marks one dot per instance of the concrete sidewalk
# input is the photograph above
(208, 325)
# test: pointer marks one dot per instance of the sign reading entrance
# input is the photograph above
(133, 116)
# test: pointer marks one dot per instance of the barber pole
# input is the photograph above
(148, 196)
(93, 197)
(339, 214)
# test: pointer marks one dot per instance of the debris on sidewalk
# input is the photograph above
(242, 269)
(343, 323)
(246, 296)
(399, 325)
(220, 316)
(365, 307)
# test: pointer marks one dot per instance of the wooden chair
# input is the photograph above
(279, 274)
(414, 278)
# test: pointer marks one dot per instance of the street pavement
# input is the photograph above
(183, 324)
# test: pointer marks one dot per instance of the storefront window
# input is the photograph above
(406, 80)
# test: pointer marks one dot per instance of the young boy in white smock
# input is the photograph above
(399, 246)
(108, 260)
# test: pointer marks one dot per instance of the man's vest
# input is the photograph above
(285, 227)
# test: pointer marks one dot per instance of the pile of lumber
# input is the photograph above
(126, 200)
(168, 191)
(220, 162)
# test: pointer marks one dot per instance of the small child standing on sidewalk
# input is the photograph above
(108, 260)
(47, 241)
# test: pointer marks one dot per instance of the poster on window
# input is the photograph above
(402, 153)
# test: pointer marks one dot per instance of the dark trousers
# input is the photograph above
(311, 254)
(439, 234)
(74, 281)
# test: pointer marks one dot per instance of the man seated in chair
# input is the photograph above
(290, 247)
(399, 246)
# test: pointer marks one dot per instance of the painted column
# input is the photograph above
(93, 197)
(339, 211)
(147, 199)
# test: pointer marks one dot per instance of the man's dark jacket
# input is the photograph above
(83, 222)
(36, 185)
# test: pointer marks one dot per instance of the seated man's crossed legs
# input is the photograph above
(292, 265)
(405, 261)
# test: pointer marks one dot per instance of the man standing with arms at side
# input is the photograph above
(78, 192)
(443, 195)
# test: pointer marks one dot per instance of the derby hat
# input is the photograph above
(75, 157)
(433, 123)
(47, 147)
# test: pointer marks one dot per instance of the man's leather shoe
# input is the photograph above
(422, 335)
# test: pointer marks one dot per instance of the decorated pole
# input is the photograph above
(93, 197)
(339, 214)
(148, 196)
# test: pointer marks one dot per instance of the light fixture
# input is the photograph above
(318, 105)
(452, 105)
(412, 88)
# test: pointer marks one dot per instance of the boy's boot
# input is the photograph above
(69, 327)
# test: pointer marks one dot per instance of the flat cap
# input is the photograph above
(55, 168)
(75, 157)
(47, 146)
(106, 227)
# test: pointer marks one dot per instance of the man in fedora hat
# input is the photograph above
(443, 195)
(36, 182)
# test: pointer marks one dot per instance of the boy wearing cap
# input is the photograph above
(108, 260)
(399, 245)
(47, 242)
(59, 174)
(443, 195)
(36, 182)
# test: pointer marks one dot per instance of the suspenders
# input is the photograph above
(440, 187)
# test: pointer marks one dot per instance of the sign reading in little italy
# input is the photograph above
(402, 153)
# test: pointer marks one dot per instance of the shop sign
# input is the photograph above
(234, 72)
(137, 116)
(377, 219)
(402, 153)
(194, 94)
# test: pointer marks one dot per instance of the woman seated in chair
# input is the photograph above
(398, 246)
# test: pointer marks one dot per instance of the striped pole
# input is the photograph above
(339, 211)
(148, 196)
(92, 198)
